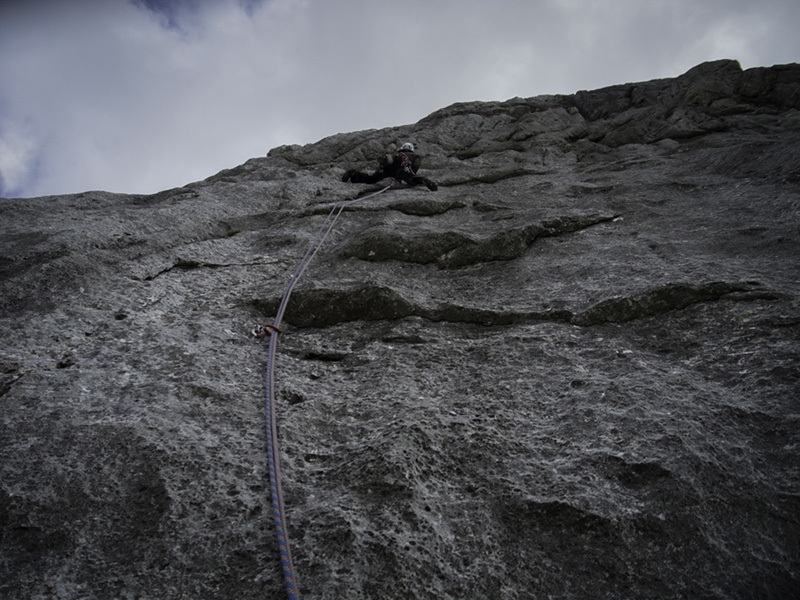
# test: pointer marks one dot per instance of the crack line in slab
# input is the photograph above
(323, 307)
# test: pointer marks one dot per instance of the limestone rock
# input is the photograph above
(571, 372)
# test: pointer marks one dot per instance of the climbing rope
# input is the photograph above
(273, 453)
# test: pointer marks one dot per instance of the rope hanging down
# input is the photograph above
(273, 452)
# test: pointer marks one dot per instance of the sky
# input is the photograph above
(138, 96)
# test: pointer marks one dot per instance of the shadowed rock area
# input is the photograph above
(571, 372)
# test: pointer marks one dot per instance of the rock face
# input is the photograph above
(572, 372)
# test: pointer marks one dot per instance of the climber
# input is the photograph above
(402, 165)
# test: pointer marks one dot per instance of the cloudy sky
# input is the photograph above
(142, 95)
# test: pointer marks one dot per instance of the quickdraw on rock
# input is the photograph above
(264, 330)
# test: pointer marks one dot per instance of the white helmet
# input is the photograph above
(407, 146)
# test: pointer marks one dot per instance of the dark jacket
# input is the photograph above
(401, 165)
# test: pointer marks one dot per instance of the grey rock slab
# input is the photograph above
(570, 372)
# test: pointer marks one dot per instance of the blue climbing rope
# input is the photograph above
(273, 452)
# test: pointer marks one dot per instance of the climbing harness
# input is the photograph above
(273, 453)
(264, 330)
(405, 163)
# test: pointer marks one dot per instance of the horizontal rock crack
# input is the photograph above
(456, 249)
(189, 265)
(322, 307)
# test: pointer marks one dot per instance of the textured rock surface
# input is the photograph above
(572, 372)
